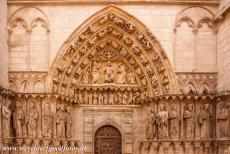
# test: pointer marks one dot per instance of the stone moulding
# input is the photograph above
(206, 2)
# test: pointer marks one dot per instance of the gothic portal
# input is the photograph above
(116, 78)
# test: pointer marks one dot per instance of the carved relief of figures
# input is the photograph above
(204, 120)
(151, 124)
(124, 98)
(111, 99)
(131, 78)
(60, 121)
(222, 119)
(121, 73)
(174, 123)
(6, 116)
(106, 98)
(189, 120)
(68, 122)
(100, 99)
(108, 73)
(85, 78)
(31, 120)
(95, 72)
(47, 121)
(18, 120)
(95, 98)
(162, 122)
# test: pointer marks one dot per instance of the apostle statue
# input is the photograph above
(95, 98)
(60, 121)
(18, 120)
(111, 98)
(68, 122)
(174, 123)
(162, 122)
(121, 74)
(31, 120)
(47, 121)
(204, 120)
(189, 121)
(6, 115)
(222, 119)
(100, 99)
(108, 71)
(95, 72)
(151, 124)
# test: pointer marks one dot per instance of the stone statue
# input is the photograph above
(130, 98)
(162, 122)
(31, 120)
(174, 123)
(124, 98)
(111, 98)
(86, 99)
(189, 121)
(95, 98)
(100, 99)
(106, 99)
(68, 122)
(18, 120)
(121, 74)
(204, 120)
(222, 119)
(6, 115)
(60, 121)
(119, 98)
(151, 124)
(108, 78)
(85, 78)
(130, 78)
(90, 98)
(95, 72)
(47, 121)
(136, 96)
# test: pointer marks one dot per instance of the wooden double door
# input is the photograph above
(108, 140)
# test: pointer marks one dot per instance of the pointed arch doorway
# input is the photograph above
(108, 140)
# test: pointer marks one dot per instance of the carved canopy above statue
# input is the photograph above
(112, 50)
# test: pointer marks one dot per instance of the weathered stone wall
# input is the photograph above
(224, 54)
(3, 44)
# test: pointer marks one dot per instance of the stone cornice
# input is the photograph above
(171, 2)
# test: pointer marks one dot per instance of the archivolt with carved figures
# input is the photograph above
(113, 52)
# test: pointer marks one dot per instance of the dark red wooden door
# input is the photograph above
(107, 141)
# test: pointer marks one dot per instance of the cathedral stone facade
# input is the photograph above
(115, 77)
